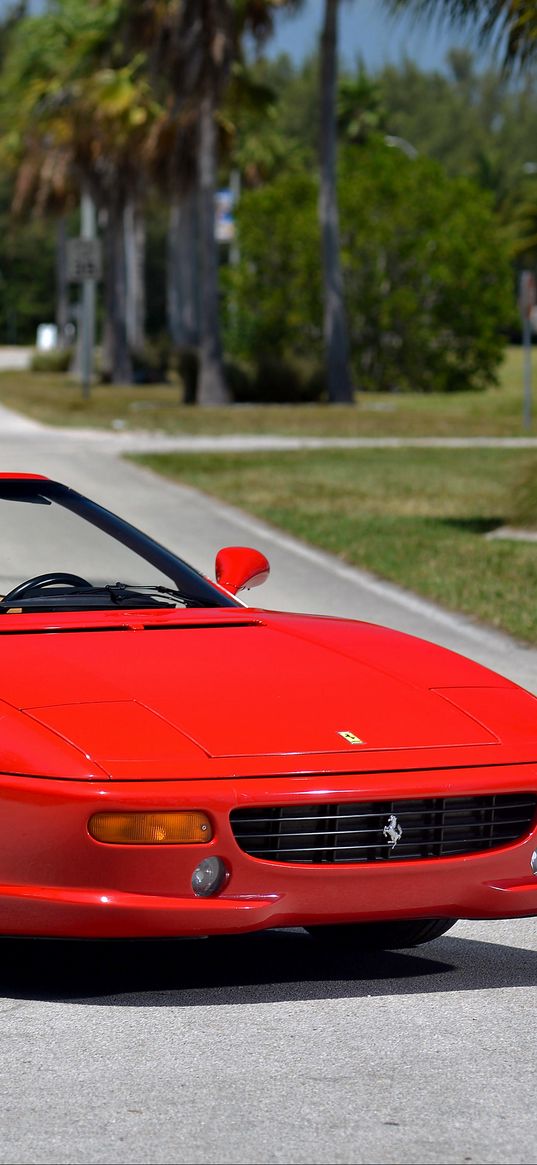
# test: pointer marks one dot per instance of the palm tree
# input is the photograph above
(340, 388)
(200, 41)
(195, 45)
(212, 23)
(171, 160)
(246, 142)
(216, 27)
(72, 105)
(511, 25)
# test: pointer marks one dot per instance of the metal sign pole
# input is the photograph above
(527, 301)
(87, 231)
(526, 330)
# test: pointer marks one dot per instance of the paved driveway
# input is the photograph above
(260, 1049)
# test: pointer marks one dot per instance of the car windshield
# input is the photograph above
(59, 551)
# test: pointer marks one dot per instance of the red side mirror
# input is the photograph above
(238, 567)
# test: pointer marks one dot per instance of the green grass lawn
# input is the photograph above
(417, 517)
(57, 400)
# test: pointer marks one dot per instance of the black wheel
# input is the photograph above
(381, 936)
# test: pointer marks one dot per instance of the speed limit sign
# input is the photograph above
(84, 260)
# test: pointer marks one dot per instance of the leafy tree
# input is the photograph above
(26, 247)
(360, 107)
(499, 120)
(426, 272)
(251, 134)
(511, 25)
(314, 128)
(276, 290)
(297, 109)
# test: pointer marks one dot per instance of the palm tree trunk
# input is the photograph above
(116, 298)
(135, 241)
(182, 272)
(335, 322)
(212, 388)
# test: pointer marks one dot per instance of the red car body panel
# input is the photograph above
(233, 707)
(63, 882)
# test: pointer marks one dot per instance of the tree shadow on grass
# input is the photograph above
(273, 966)
(473, 525)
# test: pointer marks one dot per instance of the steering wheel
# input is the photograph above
(40, 581)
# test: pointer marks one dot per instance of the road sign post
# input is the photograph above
(527, 302)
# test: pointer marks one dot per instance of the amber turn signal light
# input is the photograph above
(172, 828)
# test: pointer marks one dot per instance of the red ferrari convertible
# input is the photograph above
(176, 763)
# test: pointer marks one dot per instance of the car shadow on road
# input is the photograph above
(274, 966)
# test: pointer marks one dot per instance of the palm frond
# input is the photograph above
(509, 26)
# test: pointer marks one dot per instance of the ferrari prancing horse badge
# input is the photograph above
(351, 737)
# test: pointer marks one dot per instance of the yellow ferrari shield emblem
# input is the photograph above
(351, 737)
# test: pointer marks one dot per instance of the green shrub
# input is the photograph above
(239, 379)
(274, 381)
(279, 381)
(55, 360)
(150, 364)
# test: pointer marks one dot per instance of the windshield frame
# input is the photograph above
(187, 580)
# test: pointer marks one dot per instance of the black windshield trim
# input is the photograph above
(186, 578)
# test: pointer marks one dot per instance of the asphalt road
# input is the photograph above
(261, 1049)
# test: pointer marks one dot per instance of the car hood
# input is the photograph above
(238, 691)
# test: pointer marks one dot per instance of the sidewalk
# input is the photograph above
(148, 441)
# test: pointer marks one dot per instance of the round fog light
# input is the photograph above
(533, 862)
(208, 877)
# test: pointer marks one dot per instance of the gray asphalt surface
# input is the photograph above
(261, 1049)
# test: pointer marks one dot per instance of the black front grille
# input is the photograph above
(366, 831)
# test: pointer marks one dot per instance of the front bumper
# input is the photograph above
(56, 880)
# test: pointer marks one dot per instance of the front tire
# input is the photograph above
(381, 936)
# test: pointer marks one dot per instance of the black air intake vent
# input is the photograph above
(383, 831)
